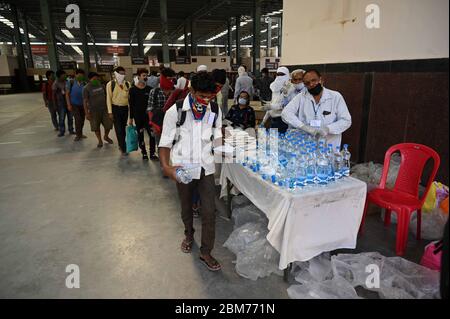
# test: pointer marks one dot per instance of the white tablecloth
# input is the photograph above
(306, 224)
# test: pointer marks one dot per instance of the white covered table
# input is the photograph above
(305, 224)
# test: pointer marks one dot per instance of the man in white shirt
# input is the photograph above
(318, 111)
(189, 144)
(182, 81)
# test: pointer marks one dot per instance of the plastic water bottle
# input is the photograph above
(330, 157)
(290, 169)
(311, 168)
(346, 161)
(183, 176)
(338, 163)
(323, 168)
(301, 171)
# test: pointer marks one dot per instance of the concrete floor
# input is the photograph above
(67, 203)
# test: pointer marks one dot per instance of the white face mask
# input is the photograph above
(119, 77)
(299, 86)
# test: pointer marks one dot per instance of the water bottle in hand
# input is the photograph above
(183, 176)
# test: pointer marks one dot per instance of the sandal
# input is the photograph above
(212, 265)
(196, 212)
(186, 245)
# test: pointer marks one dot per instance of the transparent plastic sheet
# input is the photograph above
(399, 278)
(243, 236)
(247, 214)
(370, 173)
(433, 224)
(258, 260)
(336, 288)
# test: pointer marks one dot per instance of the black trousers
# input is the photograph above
(141, 129)
(277, 122)
(120, 114)
(206, 188)
(78, 115)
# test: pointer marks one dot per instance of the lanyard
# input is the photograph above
(314, 108)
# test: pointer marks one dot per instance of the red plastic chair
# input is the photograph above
(404, 197)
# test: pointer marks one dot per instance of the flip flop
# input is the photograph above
(186, 246)
(214, 266)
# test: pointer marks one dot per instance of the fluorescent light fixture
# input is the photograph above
(150, 35)
(67, 33)
(77, 49)
(11, 25)
(113, 35)
(274, 26)
(181, 38)
(146, 49)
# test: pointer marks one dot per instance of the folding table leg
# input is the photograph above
(287, 272)
(229, 198)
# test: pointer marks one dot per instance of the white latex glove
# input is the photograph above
(323, 131)
(309, 129)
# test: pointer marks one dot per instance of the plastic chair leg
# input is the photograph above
(387, 217)
(419, 224)
(402, 232)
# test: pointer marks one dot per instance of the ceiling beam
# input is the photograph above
(139, 16)
(209, 7)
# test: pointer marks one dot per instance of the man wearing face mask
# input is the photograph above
(139, 95)
(117, 91)
(294, 87)
(94, 102)
(191, 128)
(319, 111)
(157, 99)
(276, 105)
(74, 98)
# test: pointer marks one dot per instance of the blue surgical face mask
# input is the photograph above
(242, 101)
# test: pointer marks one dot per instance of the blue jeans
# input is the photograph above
(62, 111)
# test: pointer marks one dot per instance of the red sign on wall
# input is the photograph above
(39, 49)
(118, 50)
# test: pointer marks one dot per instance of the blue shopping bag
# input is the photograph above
(131, 139)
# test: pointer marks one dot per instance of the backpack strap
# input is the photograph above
(113, 85)
(181, 118)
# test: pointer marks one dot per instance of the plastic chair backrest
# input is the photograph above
(413, 160)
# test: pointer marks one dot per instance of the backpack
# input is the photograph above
(113, 85)
(182, 118)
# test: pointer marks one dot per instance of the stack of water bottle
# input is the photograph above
(296, 160)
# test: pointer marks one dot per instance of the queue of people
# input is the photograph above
(184, 119)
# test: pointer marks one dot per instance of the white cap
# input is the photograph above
(283, 70)
(201, 68)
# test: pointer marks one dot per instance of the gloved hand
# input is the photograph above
(309, 129)
(323, 131)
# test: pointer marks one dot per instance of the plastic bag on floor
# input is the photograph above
(433, 224)
(247, 214)
(239, 201)
(402, 279)
(352, 267)
(317, 269)
(336, 288)
(399, 278)
(258, 260)
(242, 237)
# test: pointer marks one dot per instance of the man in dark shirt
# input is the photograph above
(94, 102)
(59, 97)
(47, 91)
(138, 101)
(263, 84)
